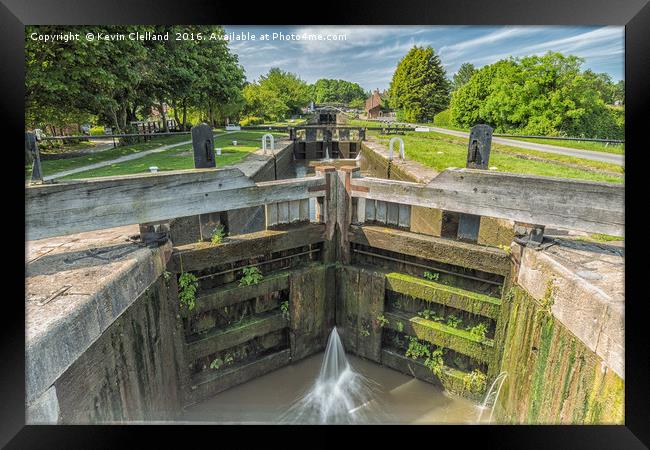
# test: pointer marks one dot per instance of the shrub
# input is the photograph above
(250, 120)
(97, 131)
(443, 118)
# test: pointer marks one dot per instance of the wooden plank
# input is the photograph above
(486, 259)
(209, 384)
(67, 208)
(343, 214)
(232, 293)
(380, 211)
(451, 379)
(201, 256)
(454, 297)
(236, 334)
(404, 220)
(294, 210)
(361, 210)
(283, 212)
(442, 335)
(347, 310)
(392, 213)
(371, 305)
(303, 213)
(271, 214)
(370, 209)
(557, 202)
(426, 220)
(307, 309)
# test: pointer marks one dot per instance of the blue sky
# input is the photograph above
(369, 54)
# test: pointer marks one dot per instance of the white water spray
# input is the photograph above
(338, 393)
(327, 154)
(492, 395)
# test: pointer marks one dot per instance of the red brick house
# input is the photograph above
(373, 105)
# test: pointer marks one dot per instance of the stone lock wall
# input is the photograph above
(130, 372)
(553, 378)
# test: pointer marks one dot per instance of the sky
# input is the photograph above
(368, 55)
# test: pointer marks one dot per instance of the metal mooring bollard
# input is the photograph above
(478, 157)
(478, 149)
(401, 148)
(31, 149)
(203, 145)
(272, 141)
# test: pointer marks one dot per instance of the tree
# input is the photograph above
(276, 95)
(543, 95)
(419, 88)
(77, 77)
(337, 91)
(463, 75)
(119, 81)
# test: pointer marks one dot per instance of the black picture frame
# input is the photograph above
(633, 14)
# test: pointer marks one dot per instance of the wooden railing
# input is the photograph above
(73, 207)
(341, 197)
(554, 202)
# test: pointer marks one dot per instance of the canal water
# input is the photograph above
(397, 398)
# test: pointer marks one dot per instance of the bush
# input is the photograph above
(97, 131)
(443, 118)
(250, 120)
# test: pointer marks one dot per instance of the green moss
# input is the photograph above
(434, 292)
(561, 381)
(443, 335)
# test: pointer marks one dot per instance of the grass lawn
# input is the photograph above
(182, 157)
(584, 145)
(59, 165)
(441, 151)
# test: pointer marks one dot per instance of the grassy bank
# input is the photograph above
(50, 167)
(441, 151)
(182, 156)
(583, 145)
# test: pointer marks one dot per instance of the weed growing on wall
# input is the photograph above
(218, 234)
(218, 363)
(505, 248)
(434, 362)
(187, 287)
(284, 307)
(400, 327)
(252, 275)
(475, 381)
(432, 276)
(383, 321)
(454, 321)
(430, 315)
(417, 349)
(479, 331)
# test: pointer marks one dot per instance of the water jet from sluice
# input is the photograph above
(327, 154)
(491, 396)
(339, 394)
